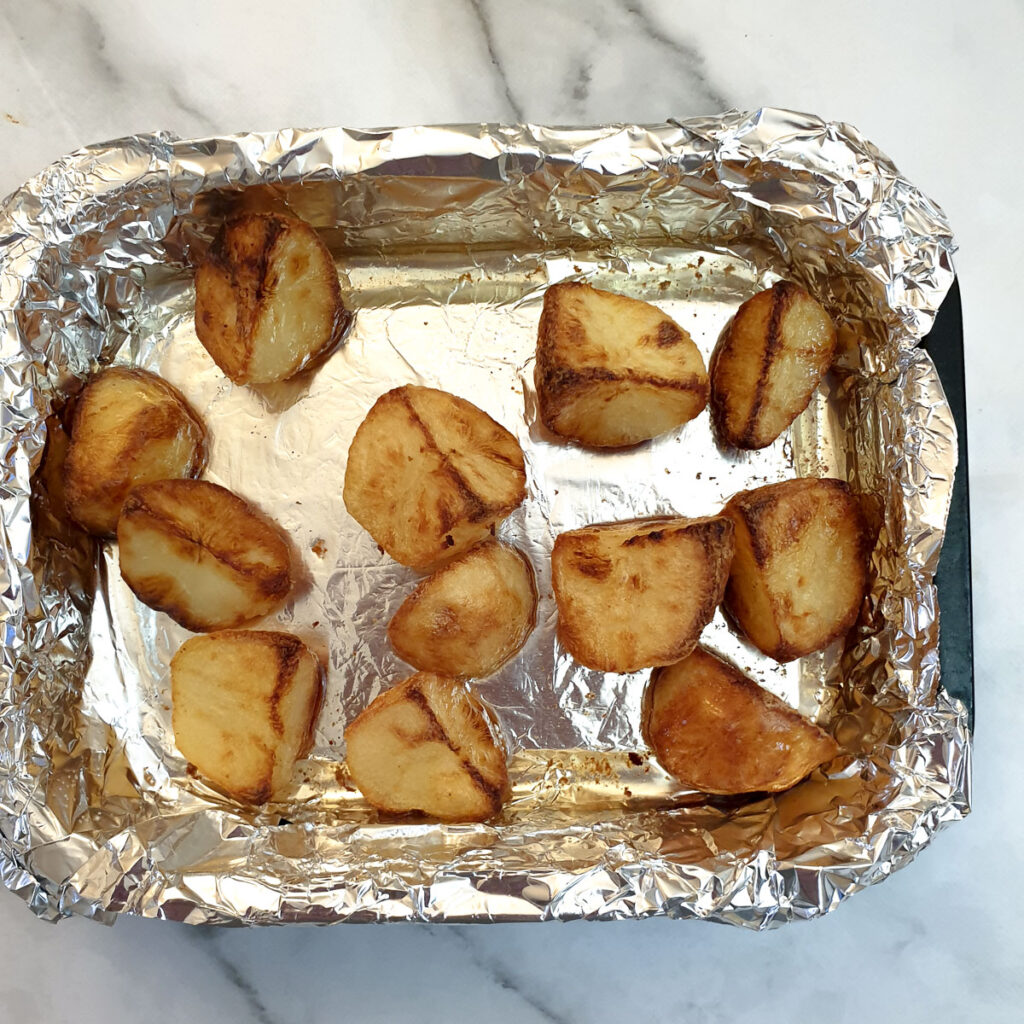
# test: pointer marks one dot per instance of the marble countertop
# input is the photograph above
(934, 87)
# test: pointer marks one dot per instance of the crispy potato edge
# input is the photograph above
(163, 425)
(730, 672)
(274, 586)
(783, 295)
(290, 651)
(556, 384)
(494, 793)
(753, 506)
(217, 265)
(719, 537)
(409, 604)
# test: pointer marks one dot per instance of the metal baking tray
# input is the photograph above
(445, 239)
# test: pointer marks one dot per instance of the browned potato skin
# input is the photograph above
(613, 393)
(636, 594)
(471, 616)
(718, 731)
(409, 488)
(129, 427)
(237, 283)
(424, 746)
(800, 571)
(766, 365)
(49, 501)
(247, 749)
(203, 523)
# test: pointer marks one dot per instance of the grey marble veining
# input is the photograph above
(688, 55)
(227, 969)
(939, 87)
(483, 16)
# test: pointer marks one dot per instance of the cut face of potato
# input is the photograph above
(471, 616)
(767, 364)
(613, 371)
(201, 554)
(718, 731)
(429, 474)
(800, 570)
(267, 298)
(244, 706)
(425, 746)
(129, 427)
(635, 594)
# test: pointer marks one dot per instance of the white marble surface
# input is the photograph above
(939, 86)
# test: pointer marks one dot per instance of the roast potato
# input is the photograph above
(718, 731)
(267, 298)
(429, 475)
(425, 746)
(471, 616)
(800, 570)
(767, 363)
(612, 371)
(635, 594)
(244, 703)
(201, 554)
(129, 427)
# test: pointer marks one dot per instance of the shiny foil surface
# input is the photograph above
(445, 239)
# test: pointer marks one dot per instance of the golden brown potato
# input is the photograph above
(612, 371)
(425, 746)
(718, 731)
(800, 570)
(767, 364)
(201, 554)
(244, 706)
(129, 427)
(429, 475)
(267, 298)
(638, 593)
(471, 616)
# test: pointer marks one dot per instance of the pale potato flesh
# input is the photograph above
(267, 298)
(201, 554)
(767, 363)
(800, 571)
(244, 704)
(625, 412)
(613, 371)
(636, 594)
(471, 616)
(718, 731)
(129, 427)
(430, 474)
(425, 746)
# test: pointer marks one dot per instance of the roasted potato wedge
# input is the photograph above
(767, 363)
(613, 371)
(471, 616)
(244, 704)
(129, 427)
(201, 554)
(429, 475)
(635, 594)
(267, 298)
(425, 746)
(800, 570)
(718, 731)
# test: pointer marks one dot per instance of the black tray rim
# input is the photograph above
(945, 344)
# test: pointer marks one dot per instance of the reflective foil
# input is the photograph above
(445, 239)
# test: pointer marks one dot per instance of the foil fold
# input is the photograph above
(445, 239)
